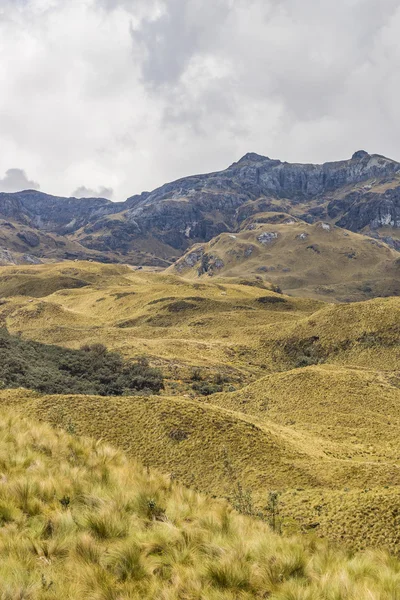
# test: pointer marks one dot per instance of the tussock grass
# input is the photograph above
(104, 544)
(304, 260)
(325, 437)
(336, 472)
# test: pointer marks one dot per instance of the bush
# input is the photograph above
(90, 370)
(206, 389)
(271, 299)
(196, 375)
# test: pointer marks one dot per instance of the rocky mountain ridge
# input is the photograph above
(361, 194)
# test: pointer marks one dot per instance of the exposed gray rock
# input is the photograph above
(195, 209)
(10, 258)
(267, 237)
(29, 238)
(210, 263)
(373, 210)
(190, 259)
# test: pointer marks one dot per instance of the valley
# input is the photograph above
(237, 334)
(263, 391)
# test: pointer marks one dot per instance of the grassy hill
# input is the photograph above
(178, 324)
(333, 463)
(319, 260)
(310, 390)
(183, 325)
(79, 520)
(55, 370)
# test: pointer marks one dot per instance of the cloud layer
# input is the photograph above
(123, 95)
(15, 180)
(84, 192)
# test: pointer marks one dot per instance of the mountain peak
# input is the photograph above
(360, 154)
(253, 157)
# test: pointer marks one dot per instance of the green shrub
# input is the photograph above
(90, 370)
(206, 388)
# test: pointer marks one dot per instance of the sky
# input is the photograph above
(113, 97)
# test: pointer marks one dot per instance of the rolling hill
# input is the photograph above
(309, 390)
(315, 436)
(80, 520)
(313, 260)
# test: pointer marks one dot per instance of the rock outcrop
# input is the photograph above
(360, 194)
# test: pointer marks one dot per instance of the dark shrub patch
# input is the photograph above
(271, 300)
(120, 295)
(178, 435)
(56, 370)
(206, 389)
(181, 305)
(304, 352)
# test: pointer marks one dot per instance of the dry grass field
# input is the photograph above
(310, 391)
(80, 520)
(319, 260)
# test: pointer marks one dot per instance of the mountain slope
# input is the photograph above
(318, 260)
(325, 436)
(339, 459)
(360, 194)
(79, 520)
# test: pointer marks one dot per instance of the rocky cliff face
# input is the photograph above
(360, 194)
(51, 213)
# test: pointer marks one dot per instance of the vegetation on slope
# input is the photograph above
(332, 474)
(80, 521)
(178, 324)
(325, 437)
(57, 370)
(319, 260)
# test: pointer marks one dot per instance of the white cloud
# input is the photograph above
(84, 192)
(132, 93)
(16, 180)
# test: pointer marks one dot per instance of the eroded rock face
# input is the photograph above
(11, 258)
(372, 210)
(267, 237)
(210, 263)
(190, 259)
(29, 238)
(52, 213)
(195, 209)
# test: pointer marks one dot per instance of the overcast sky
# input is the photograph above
(113, 97)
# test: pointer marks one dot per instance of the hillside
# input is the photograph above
(79, 520)
(20, 244)
(319, 260)
(179, 325)
(155, 228)
(309, 390)
(183, 325)
(57, 370)
(325, 437)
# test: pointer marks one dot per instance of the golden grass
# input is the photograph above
(81, 521)
(320, 260)
(137, 313)
(313, 451)
(312, 433)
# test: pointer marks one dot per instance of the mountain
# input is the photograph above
(155, 228)
(317, 260)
